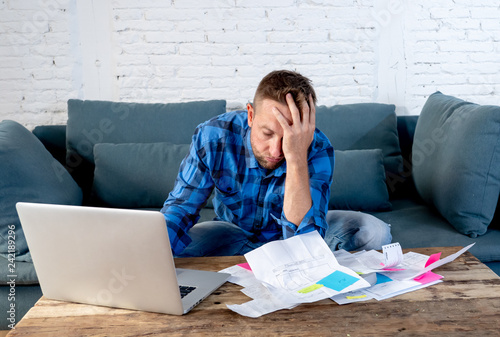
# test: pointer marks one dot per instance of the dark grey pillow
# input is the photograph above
(29, 173)
(363, 126)
(136, 175)
(456, 161)
(359, 181)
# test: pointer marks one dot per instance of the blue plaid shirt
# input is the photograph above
(221, 158)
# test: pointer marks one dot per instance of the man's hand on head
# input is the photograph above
(297, 135)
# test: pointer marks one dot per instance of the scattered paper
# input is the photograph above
(391, 256)
(351, 297)
(286, 267)
(447, 259)
(263, 303)
(391, 282)
(390, 289)
(240, 276)
(302, 269)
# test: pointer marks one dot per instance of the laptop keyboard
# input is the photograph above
(186, 290)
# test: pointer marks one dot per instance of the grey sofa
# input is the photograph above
(433, 177)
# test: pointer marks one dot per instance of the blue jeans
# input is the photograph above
(347, 230)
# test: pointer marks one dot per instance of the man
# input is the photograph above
(271, 170)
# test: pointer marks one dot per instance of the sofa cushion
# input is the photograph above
(29, 173)
(93, 122)
(359, 181)
(456, 161)
(414, 225)
(363, 126)
(136, 175)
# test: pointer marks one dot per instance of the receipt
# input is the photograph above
(393, 255)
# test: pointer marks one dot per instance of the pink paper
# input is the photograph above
(428, 277)
(433, 258)
(245, 266)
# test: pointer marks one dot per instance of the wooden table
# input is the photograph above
(466, 303)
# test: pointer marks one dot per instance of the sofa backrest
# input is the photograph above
(372, 125)
(96, 122)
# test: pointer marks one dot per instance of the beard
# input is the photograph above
(261, 159)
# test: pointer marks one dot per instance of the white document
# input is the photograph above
(443, 261)
(291, 269)
(263, 301)
(241, 276)
(351, 297)
(414, 265)
(394, 282)
(351, 261)
(260, 306)
(390, 289)
(391, 256)
(370, 261)
(303, 269)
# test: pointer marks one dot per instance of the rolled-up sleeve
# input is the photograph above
(191, 191)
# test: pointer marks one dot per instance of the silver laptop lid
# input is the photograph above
(111, 257)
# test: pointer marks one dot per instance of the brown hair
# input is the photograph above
(278, 83)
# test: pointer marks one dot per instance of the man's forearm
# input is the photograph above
(297, 200)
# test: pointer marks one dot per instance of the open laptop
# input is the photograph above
(110, 257)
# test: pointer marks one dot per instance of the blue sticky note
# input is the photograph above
(338, 280)
(382, 279)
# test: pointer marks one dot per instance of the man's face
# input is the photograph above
(267, 134)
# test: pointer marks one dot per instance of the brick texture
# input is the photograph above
(390, 51)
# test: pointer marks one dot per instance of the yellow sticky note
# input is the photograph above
(310, 288)
(355, 297)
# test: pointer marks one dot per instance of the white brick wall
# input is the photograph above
(36, 63)
(392, 51)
